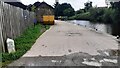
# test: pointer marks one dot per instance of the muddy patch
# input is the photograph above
(69, 50)
(73, 34)
(110, 52)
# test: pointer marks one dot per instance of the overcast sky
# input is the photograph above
(76, 4)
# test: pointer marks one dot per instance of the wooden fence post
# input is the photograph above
(13, 22)
(2, 48)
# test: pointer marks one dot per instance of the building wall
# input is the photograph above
(43, 10)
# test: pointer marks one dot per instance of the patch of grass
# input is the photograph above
(24, 42)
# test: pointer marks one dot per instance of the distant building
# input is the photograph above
(43, 9)
(108, 2)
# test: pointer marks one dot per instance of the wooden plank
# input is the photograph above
(2, 48)
(13, 22)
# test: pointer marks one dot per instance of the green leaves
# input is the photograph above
(64, 9)
(69, 12)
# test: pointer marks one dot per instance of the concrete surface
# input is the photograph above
(64, 37)
(75, 59)
(66, 44)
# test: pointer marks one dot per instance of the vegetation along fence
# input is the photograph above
(13, 21)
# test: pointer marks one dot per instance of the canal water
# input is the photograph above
(113, 29)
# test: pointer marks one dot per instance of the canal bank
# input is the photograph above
(66, 39)
(112, 29)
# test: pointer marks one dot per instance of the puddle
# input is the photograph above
(92, 63)
(69, 50)
(110, 60)
(73, 34)
(44, 46)
(92, 58)
(101, 61)
(54, 61)
(109, 52)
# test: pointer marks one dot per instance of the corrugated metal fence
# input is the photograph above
(13, 21)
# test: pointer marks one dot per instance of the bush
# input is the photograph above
(105, 15)
(82, 16)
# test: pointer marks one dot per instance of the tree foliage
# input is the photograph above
(64, 9)
(99, 14)
(115, 5)
(88, 5)
(33, 8)
(80, 11)
(68, 12)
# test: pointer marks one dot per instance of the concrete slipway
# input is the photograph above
(67, 44)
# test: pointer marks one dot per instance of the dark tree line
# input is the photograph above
(99, 14)
(64, 9)
(88, 5)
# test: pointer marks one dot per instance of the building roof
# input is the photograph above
(17, 4)
(38, 4)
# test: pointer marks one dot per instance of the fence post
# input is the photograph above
(2, 48)
(13, 22)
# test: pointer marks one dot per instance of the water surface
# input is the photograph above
(113, 29)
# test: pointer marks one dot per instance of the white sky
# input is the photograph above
(76, 4)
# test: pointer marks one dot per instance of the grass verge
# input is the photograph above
(24, 42)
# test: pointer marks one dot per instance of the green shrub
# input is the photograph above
(82, 16)
(99, 14)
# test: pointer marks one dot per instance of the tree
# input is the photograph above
(116, 15)
(33, 8)
(57, 10)
(64, 9)
(79, 11)
(115, 5)
(108, 15)
(88, 5)
(69, 12)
